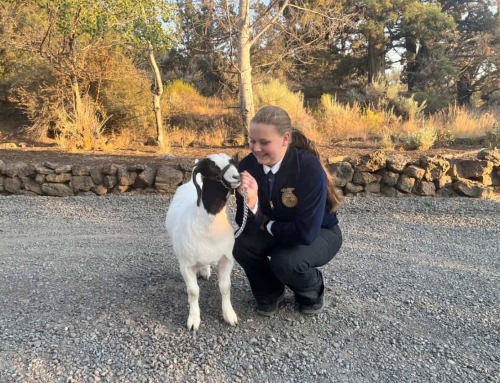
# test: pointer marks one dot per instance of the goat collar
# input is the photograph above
(220, 177)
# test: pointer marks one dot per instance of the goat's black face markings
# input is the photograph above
(215, 192)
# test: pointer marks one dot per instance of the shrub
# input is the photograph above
(276, 93)
(341, 121)
(423, 139)
(464, 123)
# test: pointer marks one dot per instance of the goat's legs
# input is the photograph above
(193, 290)
(225, 268)
(204, 271)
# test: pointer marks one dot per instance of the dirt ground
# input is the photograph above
(138, 153)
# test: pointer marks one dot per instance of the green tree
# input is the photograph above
(64, 31)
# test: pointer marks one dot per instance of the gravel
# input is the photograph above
(90, 292)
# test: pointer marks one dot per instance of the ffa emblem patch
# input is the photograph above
(288, 198)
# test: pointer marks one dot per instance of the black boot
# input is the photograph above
(317, 306)
(269, 309)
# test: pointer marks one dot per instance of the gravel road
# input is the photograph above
(90, 292)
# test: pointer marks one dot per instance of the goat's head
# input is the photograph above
(217, 167)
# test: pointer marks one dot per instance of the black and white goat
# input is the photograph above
(199, 228)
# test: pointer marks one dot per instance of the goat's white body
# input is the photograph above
(199, 240)
(197, 237)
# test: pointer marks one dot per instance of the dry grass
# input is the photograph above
(83, 130)
(342, 121)
(464, 123)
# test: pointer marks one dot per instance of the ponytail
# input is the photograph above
(300, 141)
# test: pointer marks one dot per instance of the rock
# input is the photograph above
(363, 178)
(136, 167)
(8, 145)
(435, 167)
(58, 178)
(414, 171)
(145, 178)
(389, 178)
(50, 165)
(390, 191)
(342, 173)
(367, 194)
(109, 181)
(82, 183)
(491, 179)
(373, 187)
(109, 169)
(63, 169)
(27, 193)
(125, 178)
(352, 188)
(80, 170)
(100, 190)
(197, 144)
(31, 185)
(337, 159)
(120, 189)
(12, 184)
(492, 155)
(372, 162)
(469, 168)
(424, 188)
(405, 183)
(447, 192)
(13, 169)
(168, 178)
(40, 178)
(40, 169)
(57, 189)
(96, 175)
(472, 189)
(442, 182)
(1, 183)
(397, 162)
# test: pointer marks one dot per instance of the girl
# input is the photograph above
(292, 225)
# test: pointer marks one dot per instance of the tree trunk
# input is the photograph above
(75, 86)
(157, 90)
(244, 66)
(498, 16)
(77, 97)
(376, 59)
(411, 63)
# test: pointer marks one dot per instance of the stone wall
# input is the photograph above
(375, 174)
(396, 175)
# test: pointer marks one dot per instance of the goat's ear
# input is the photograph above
(197, 169)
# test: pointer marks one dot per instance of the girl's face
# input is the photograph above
(266, 144)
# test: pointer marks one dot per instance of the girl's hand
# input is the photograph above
(249, 183)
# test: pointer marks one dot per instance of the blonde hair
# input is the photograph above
(280, 120)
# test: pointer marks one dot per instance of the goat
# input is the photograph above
(199, 228)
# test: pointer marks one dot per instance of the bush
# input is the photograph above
(423, 139)
(277, 93)
(463, 122)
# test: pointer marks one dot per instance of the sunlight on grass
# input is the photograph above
(464, 123)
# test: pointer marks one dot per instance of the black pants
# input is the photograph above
(270, 267)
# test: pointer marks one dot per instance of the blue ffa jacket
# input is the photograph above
(298, 203)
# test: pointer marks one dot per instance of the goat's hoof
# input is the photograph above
(193, 322)
(204, 272)
(230, 317)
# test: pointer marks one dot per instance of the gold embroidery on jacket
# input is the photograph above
(288, 198)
